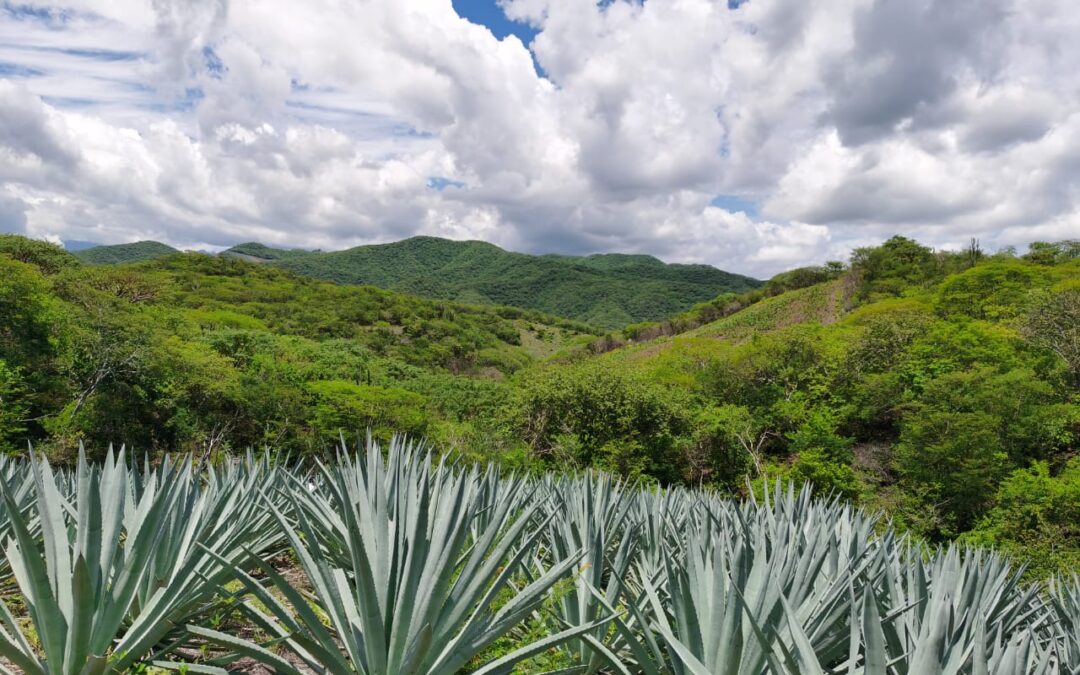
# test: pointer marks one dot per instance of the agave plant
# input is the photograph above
(959, 611)
(1065, 598)
(224, 515)
(407, 580)
(119, 567)
(418, 567)
(596, 518)
(744, 603)
(18, 483)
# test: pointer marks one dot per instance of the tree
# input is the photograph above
(993, 291)
(715, 454)
(1028, 416)
(951, 462)
(740, 427)
(13, 408)
(590, 413)
(1037, 519)
(48, 258)
(34, 341)
(822, 456)
(1052, 321)
(828, 477)
(344, 407)
(818, 433)
(1053, 253)
(897, 264)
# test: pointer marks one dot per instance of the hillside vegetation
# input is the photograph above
(607, 291)
(256, 252)
(942, 388)
(200, 353)
(124, 253)
(939, 387)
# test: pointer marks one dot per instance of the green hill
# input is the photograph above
(941, 388)
(607, 291)
(124, 253)
(253, 251)
(188, 349)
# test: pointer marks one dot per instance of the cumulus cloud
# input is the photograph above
(203, 123)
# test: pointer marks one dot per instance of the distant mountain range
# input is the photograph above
(121, 253)
(605, 290)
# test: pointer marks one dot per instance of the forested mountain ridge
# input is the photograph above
(605, 290)
(123, 253)
(190, 351)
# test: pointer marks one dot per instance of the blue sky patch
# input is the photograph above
(440, 183)
(15, 70)
(51, 17)
(69, 101)
(186, 103)
(214, 67)
(487, 13)
(108, 55)
(101, 54)
(735, 204)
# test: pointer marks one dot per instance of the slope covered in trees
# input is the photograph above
(195, 353)
(124, 253)
(608, 291)
(942, 388)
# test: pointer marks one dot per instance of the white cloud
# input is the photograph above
(322, 124)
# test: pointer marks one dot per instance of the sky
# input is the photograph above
(756, 136)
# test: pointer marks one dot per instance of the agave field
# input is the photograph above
(392, 562)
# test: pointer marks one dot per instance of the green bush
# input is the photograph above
(1036, 518)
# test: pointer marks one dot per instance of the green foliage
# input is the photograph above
(13, 407)
(1052, 322)
(967, 430)
(827, 475)
(341, 407)
(725, 446)
(607, 291)
(994, 291)
(48, 258)
(951, 463)
(912, 382)
(590, 414)
(1035, 519)
(202, 353)
(257, 252)
(820, 303)
(820, 456)
(920, 404)
(26, 314)
(896, 265)
(124, 253)
(802, 277)
(1053, 253)
(818, 434)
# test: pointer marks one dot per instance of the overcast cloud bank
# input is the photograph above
(754, 136)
